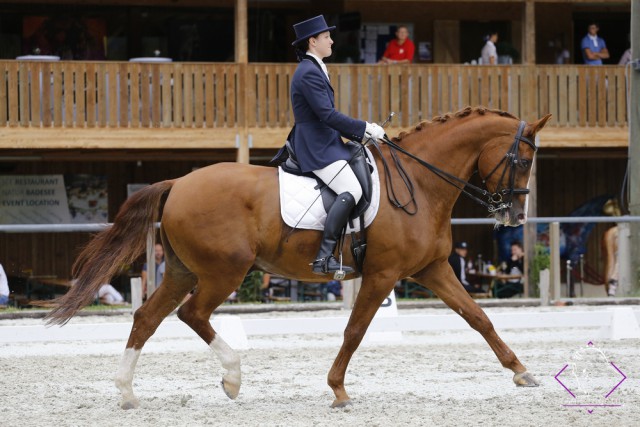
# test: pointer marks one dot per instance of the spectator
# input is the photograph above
(561, 53)
(594, 49)
(4, 287)
(108, 295)
(334, 290)
(160, 266)
(399, 50)
(489, 55)
(458, 261)
(625, 58)
(514, 267)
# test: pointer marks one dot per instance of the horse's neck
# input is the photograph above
(457, 155)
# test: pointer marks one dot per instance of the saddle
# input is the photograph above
(287, 160)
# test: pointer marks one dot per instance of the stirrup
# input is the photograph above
(321, 267)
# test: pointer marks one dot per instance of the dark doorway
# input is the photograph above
(472, 34)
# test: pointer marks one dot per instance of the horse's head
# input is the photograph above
(505, 167)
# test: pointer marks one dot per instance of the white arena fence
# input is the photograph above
(613, 323)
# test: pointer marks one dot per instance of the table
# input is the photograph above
(38, 58)
(491, 279)
(46, 283)
(151, 59)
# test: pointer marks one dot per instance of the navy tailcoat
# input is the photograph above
(317, 138)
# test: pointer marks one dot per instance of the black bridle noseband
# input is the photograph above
(496, 201)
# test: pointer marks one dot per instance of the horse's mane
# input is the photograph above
(448, 116)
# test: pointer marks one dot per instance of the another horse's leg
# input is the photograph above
(371, 295)
(212, 291)
(441, 279)
(175, 285)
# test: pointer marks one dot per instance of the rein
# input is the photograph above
(495, 201)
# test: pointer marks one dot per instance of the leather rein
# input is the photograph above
(496, 201)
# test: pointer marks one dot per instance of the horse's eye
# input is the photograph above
(524, 163)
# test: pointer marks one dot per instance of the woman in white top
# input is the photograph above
(489, 51)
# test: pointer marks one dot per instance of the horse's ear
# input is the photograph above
(536, 126)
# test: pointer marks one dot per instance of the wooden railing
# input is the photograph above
(247, 98)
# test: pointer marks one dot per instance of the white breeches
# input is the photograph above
(340, 178)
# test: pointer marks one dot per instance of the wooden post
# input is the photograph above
(136, 293)
(529, 33)
(554, 243)
(529, 232)
(530, 113)
(241, 36)
(634, 146)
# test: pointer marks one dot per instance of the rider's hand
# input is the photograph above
(374, 131)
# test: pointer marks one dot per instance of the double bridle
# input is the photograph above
(500, 199)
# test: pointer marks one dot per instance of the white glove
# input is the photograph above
(374, 131)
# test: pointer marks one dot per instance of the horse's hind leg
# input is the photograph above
(175, 285)
(444, 283)
(212, 291)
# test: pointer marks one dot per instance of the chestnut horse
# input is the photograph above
(222, 221)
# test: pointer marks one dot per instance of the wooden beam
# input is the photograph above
(15, 138)
(554, 137)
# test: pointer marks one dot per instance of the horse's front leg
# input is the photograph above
(371, 295)
(440, 278)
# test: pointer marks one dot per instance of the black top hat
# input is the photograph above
(461, 245)
(310, 27)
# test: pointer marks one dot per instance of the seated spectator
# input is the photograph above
(108, 295)
(515, 267)
(399, 50)
(458, 262)
(334, 290)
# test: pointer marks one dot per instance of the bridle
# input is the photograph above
(501, 198)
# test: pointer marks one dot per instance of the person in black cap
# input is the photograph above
(316, 137)
(458, 261)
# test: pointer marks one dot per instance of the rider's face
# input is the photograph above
(321, 44)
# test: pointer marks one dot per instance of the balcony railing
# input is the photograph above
(227, 95)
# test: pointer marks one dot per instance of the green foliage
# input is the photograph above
(249, 291)
(541, 260)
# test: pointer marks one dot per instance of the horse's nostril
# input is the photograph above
(521, 217)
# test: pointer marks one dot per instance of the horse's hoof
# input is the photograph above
(230, 389)
(341, 404)
(525, 379)
(130, 404)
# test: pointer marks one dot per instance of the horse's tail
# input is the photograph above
(109, 250)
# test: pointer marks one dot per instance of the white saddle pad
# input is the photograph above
(301, 203)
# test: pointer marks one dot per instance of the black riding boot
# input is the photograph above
(337, 218)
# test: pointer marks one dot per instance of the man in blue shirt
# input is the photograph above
(594, 49)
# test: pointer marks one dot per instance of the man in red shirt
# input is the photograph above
(399, 50)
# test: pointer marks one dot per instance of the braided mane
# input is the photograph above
(448, 116)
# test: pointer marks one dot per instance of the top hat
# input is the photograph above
(461, 245)
(310, 27)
